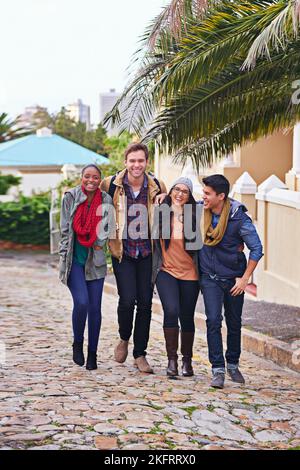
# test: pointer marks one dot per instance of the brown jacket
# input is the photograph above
(115, 244)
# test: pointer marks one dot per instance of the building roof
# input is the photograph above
(46, 150)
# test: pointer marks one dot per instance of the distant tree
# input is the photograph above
(115, 147)
(64, 125)
(94, 140)
(6, 181)
(42, 118)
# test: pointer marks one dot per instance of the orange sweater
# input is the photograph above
(176, 261)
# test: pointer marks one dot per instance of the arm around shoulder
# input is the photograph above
(104, 185)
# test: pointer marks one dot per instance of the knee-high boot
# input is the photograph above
(171, 338)
(187, 341)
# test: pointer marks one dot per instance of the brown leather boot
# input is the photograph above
(143, 365)
(171, 337)
(187, 341)
(121, 351)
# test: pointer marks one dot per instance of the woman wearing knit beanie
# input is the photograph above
(175, 272)
(85, 219)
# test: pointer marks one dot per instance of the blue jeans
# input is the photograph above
(179, 300)
(87, 297)
(216, 294)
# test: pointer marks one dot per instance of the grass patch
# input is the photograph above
(168, 419)
(249, 430)
(171, 445)
(156, 407)
(210, 408)
(190, 410)
(156, 429)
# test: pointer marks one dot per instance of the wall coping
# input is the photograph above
(270, 183)
(284, 197)
(245, 184)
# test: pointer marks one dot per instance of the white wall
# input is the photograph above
(39, 182)
(34, 181)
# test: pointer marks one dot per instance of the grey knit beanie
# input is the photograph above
(182, 180)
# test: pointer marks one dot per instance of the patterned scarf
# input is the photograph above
(86, 219)
(213, 236)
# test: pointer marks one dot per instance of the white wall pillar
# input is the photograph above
(292, 178)
(296, 149)
(244, 190)
(270, 183)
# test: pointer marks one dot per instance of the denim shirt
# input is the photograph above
(249, 235)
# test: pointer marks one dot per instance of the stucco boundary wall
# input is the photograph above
(262, 345)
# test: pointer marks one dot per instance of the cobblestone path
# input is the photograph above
(47, 402)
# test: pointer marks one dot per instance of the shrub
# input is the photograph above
(26, 220)
(6, 181)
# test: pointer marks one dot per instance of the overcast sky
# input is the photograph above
(55, 51)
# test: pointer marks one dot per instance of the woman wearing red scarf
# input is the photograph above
(82, 260)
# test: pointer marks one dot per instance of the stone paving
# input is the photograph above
(47, 402)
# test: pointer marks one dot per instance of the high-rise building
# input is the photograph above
(28, 118)
(107, 102)
(80, 113)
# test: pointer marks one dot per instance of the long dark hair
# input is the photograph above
(168, 202)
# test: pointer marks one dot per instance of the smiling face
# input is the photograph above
(180, 195)
(91, 179)
(136, 163)
(211, 199)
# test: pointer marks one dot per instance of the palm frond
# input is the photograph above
(175, 16)
(277, 34)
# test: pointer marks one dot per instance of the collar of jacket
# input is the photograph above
(236, 208)
(153, 188)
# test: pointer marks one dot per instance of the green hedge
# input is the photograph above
(6, 181)
(26, 220)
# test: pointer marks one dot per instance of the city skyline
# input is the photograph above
(61, 51)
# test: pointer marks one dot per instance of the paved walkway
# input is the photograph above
(46, 402)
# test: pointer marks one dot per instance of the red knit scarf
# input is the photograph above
(86, 219)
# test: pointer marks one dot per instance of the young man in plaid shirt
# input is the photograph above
(134, 192)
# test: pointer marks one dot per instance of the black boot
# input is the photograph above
(78, 356)
(171, 337)
(91, 362)
(187, 341)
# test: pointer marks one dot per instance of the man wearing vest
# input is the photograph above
(225, 273)
(131, 189)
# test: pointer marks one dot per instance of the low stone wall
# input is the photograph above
(8, 245)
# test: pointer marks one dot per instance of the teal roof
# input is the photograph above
(46, 150)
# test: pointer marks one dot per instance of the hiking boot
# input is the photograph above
(142, 364)
(218, 380)
(236, 376)
(121, 351)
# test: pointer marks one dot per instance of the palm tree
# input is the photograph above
(9, 129)
(215, 78)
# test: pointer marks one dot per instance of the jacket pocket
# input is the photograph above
(99, 258)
